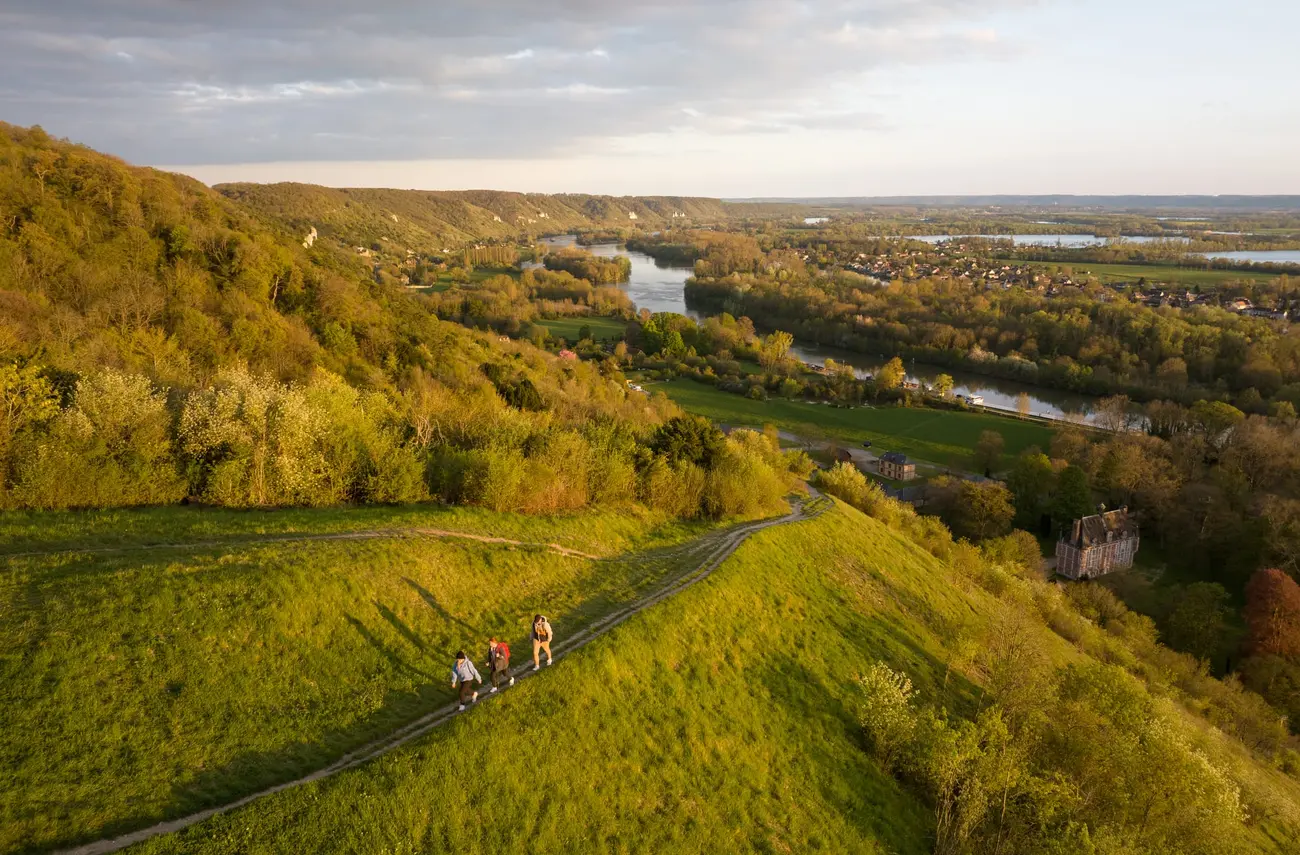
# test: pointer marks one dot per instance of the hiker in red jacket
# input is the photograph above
(498, 663)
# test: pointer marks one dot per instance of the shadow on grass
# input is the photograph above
(403, 629)
(432, 602)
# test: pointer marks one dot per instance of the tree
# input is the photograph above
(1022, 405)
(943, 385)
(1113, 414)
(988, 451)
(1272, 614)
(689, 439)
(891, 375)
(775, 350)
(1073, 498)
(982, 510)
(1031, 480)
(1215, 420)
(1196, 624)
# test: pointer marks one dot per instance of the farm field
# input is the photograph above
(602, 329)
(939, 436)
(143, 680)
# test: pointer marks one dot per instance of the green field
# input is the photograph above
(145, 683)
(602, 329)
(1163, 273)
(939, 436)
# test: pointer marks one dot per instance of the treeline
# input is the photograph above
(594, 269)
(1075, 341)
(1103, 749)
(509, 438)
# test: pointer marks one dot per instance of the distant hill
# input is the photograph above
(1101, 203)
(431, 221)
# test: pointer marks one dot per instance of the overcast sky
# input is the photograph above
(730, 98)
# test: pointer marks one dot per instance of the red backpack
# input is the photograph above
(503, 652)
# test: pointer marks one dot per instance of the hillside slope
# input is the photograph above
(728, 719)
(436, 221)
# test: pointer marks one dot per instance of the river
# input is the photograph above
(662, 288)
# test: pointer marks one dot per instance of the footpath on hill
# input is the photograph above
(705, 554)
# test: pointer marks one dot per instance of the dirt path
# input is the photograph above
(375, 534)
(713, 549)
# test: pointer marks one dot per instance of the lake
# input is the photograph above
(1260, 256)
(662, 288)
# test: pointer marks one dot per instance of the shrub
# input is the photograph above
(885, 712)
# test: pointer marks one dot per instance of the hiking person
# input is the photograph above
(541, 637)
(498, 663)
(461, 675)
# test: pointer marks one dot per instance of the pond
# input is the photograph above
(662, 288)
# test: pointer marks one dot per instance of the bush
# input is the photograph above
(885, 712)
(112, 447)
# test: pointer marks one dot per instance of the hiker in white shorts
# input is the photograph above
(541, 637)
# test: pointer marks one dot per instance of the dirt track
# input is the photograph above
(712, 550)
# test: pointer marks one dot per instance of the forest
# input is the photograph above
(159, 344)
(1078, 339)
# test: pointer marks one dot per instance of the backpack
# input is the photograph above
(503, 652)
(542, 629)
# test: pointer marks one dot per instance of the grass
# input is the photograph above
(1163, 273)
(940, 436)
(601, 328)
(144, 684)
(722, 720)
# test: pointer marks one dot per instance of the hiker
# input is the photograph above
(541, 637)
(498, 663)
(461, 674)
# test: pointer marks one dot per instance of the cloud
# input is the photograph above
(242, 81)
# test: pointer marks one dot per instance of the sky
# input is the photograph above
(737, 98)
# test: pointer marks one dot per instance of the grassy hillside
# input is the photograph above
(939, 436)
(143, 681)
(725, 719)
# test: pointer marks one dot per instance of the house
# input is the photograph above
(842, 455)
(896, 466)
(1097, 545)
(568, 354)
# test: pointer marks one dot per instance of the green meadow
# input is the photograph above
(941, 436)
(602, 329)
(720, 721)
(1188, 276)
(198, 655)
